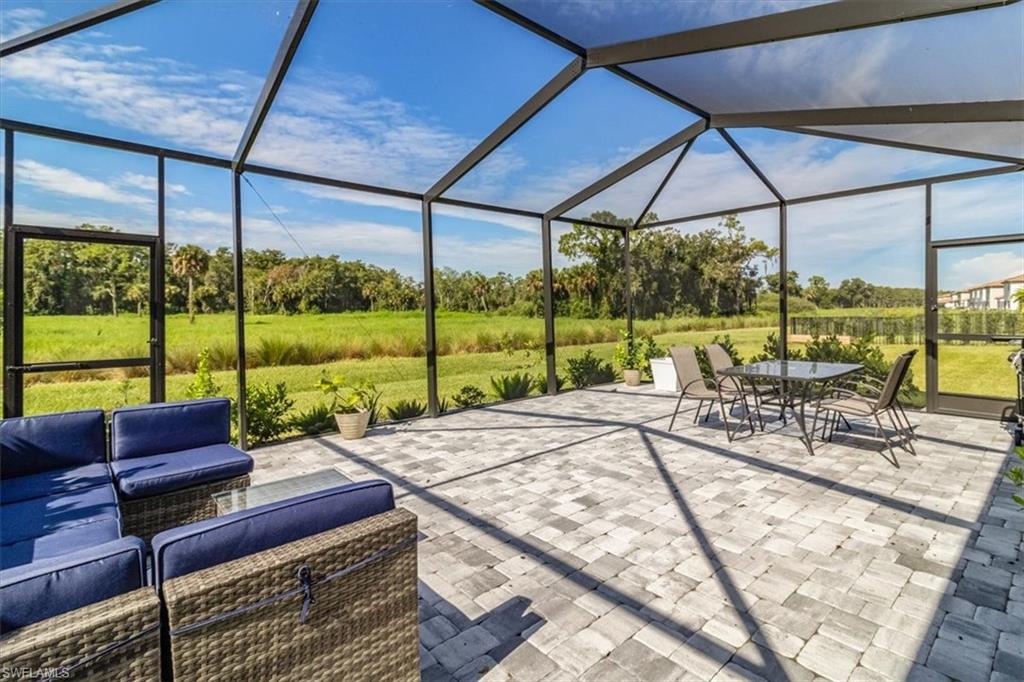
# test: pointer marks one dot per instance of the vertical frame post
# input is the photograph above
(239, 262)
(549, 305)
(931, 310)
(429, 308)
(157, 319)
(627, 266)
(13, 295)
(783, 284)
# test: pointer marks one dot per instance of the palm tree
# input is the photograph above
(190, 261)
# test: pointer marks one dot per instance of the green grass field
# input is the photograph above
(387, 349)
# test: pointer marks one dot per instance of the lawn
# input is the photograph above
(386, 348)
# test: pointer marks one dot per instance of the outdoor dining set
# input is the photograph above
(836, 392)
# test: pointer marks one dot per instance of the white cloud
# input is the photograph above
(980, 268)
(67, 182)
(19, 21)
(149, 182)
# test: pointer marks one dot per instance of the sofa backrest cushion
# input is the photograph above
(168, 427)
(200, 545)
(31, 445)
(37, 591)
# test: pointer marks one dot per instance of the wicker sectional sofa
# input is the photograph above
(322, 584)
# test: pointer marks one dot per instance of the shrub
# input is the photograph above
(317, 419)
(862, 350)
(1016, 476)
(589, 370)
(443, 406)
(469, 396)
(266, 407)
(511, 386)
(351, 397)
(406, 409)
(540, 383)
(202, 385)
(633, 353)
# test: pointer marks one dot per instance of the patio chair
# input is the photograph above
(694, 384)
(720, 359)
(881, 398)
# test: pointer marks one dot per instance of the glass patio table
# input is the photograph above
(795, 381)
(275, 491)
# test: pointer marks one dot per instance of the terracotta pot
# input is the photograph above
(631, 376)
(352, 426)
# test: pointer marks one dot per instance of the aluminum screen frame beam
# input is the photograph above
(815, 20)
(290, 41)
(661, 187)
(520, 117)
(750, 164)
(566, 44)
(906, 184)
(912, 146)
(72, 25)
(650, 156)
(952, 112)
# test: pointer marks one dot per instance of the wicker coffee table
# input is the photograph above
(264, 493)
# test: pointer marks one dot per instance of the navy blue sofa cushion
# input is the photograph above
(53, 482)
(158, 474)
(42, 515)
(200, 545)
(59, 542)
(42, 589)
(30, 445)
(168, 427)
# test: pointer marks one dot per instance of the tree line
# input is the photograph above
(717, 271)
(853, 292)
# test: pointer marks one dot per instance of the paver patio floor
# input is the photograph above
(576, 537)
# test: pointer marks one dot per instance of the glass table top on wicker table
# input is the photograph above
(797, 382)
(275, 491)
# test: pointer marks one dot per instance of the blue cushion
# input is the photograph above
(42, 515)
(30, 445)
(200, 545)
(53, 482)
(59, 542)
(167, 427)
(157, 474)
(42, 589)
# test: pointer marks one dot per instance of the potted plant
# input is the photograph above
(632, 356)
(352, 404)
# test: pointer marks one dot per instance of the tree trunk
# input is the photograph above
(191, 303)
(113, 301)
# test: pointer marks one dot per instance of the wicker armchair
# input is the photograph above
(341, 604)
(113, 640)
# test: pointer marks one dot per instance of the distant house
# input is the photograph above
(995, 295)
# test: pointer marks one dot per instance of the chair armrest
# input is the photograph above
(358, 619)
(115, 639)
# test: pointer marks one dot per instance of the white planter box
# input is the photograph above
(664, 373)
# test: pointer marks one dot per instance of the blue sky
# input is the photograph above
(394, 94)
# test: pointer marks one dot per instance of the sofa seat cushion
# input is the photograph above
(46, 588)
(43, 515)
(148, 430)
(200, 545)
(59, 543)
(158, 474)
(30, 445)
(54, 482)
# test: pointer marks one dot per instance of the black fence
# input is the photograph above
(909, 329)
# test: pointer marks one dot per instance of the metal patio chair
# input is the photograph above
(881, 398)
(694, 384)
(720, 359)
